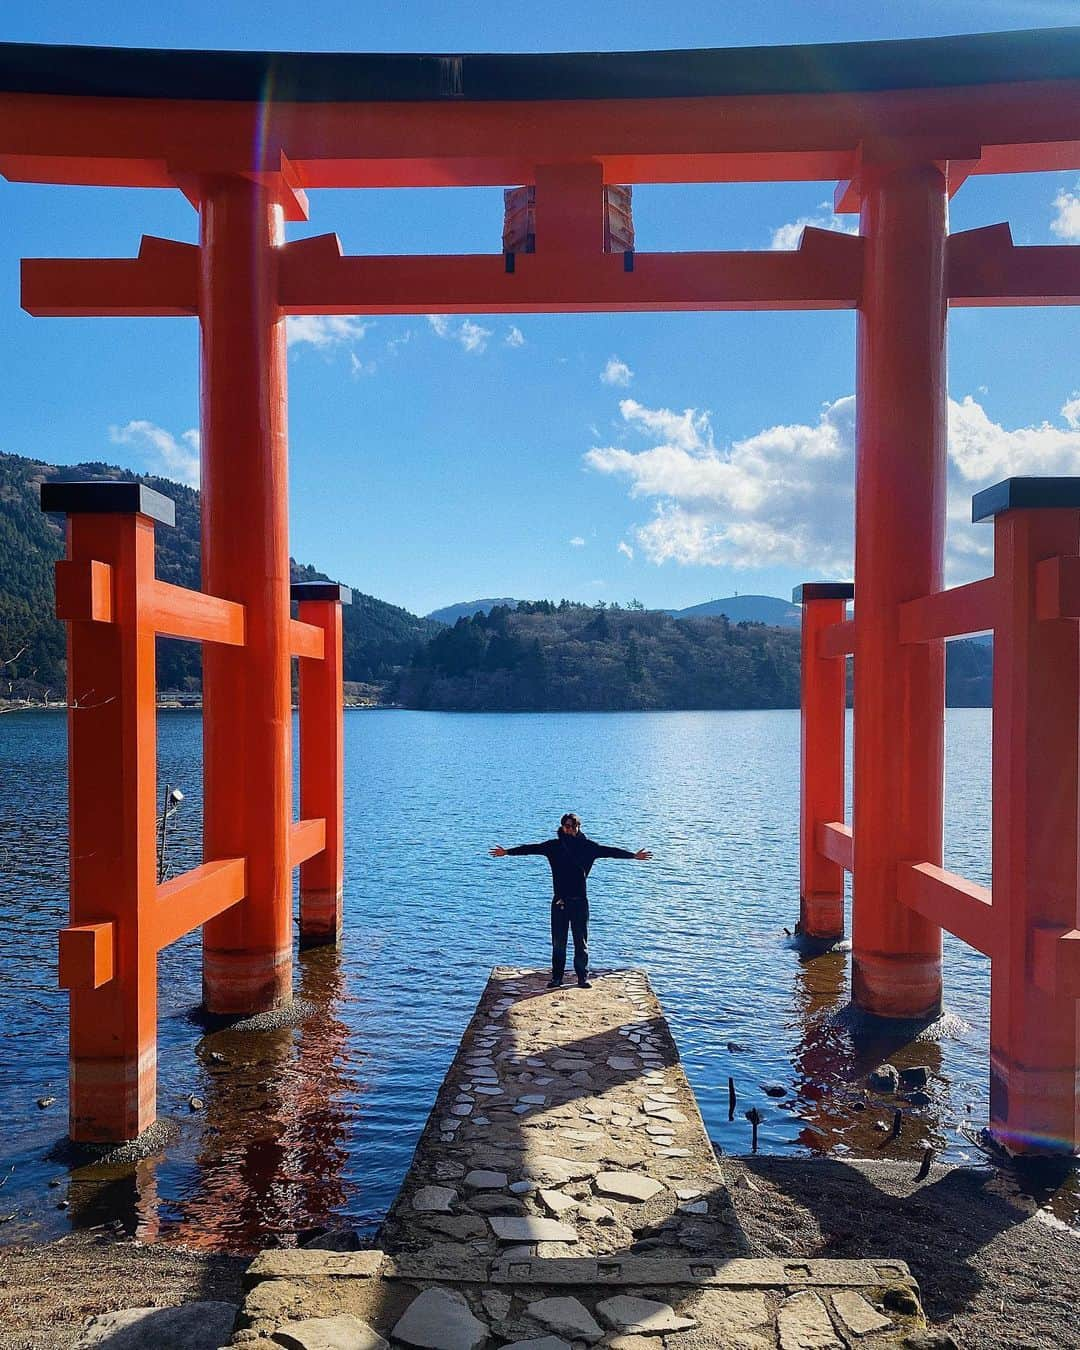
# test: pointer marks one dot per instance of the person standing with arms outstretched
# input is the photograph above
(571, 855)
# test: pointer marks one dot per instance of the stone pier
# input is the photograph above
(564, 1194)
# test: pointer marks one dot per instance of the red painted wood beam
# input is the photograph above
(1057, 588)
(87, 955)
(1056, 960)
(306, 838)
(834, 841)
(315, 278)
(162, 280)
(1022, 127)
(986, 268)
(306, 639)
(84, 591)
(175, 611)
(192, 899)
(824, 273)
(951, 902)
(837, 640)
(963, 609)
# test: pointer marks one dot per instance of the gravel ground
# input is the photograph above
(992, 1273)
(48, 1292)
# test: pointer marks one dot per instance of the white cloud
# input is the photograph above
(1066, 223)
(784, 496)
(162, 452)
(625, 549)
(616, 372)
(515, 337)
(472, 336)
(577, 542)
(323, 330)
(359, 367)
(788, 236)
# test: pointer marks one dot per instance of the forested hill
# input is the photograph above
(378, 638)
(576, 658)
(541, 656)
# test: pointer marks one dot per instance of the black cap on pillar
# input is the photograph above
(1026, 494)
(321, 590)
(108, 496)
(823, 590)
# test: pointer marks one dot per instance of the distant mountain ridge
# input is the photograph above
(766, 609)
(449, 614)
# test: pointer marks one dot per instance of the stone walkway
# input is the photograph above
(564, 1193)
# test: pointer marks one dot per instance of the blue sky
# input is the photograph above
(672, 458)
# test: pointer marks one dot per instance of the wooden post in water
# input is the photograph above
(322, 761)
(900, 462)
(1035, 970)
(247, 736)
(822, 703)
(108, 954)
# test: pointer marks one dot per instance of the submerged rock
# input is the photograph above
(917, 1076)
(885, 1078)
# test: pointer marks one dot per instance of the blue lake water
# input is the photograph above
(315, 1125)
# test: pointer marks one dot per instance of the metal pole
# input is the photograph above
(164, 828)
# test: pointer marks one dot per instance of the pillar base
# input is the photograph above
(320, 918)
(887, 985)
(238, 982)
(1034, 1111)
(821, 919)
(112, 1101)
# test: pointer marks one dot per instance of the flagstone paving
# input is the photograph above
(565, 1193)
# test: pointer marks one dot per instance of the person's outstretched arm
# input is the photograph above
(520, 851)
(606, 851)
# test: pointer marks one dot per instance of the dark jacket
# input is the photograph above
(571, 858)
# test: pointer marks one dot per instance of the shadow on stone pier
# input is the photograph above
(564, 1187)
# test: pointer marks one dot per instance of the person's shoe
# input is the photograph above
(553, 983)
(584, 984)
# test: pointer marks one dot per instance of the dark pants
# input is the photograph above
(569, 916)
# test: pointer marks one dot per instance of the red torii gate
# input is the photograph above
(899, 125)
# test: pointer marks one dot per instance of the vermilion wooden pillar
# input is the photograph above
(322, 761)
(111, 786)
(1034, 1040)
(899, 550)
(822, 704)
(245, 558)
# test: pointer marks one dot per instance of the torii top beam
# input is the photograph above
(1010, 102)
